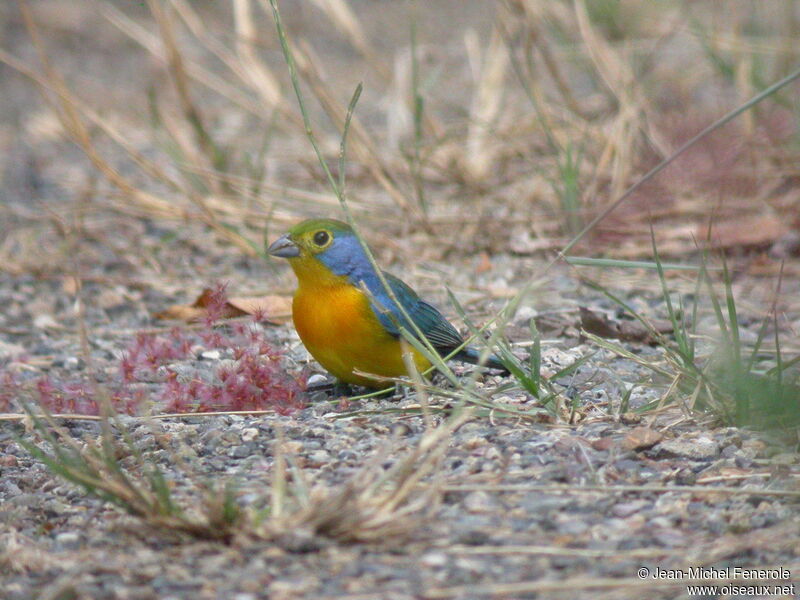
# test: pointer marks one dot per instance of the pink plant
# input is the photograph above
(254, 380)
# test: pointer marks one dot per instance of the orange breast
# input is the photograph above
(340, 330)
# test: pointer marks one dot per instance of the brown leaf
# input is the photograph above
(485, 263)
(641, 438)
(275, 309)
(625, 331)
(603, 444)
(181, 312)
(70, 285)
(750, 231)
(597, 324)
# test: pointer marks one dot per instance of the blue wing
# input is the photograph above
(431, 322)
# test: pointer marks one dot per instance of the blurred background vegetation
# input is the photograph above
(498, 126)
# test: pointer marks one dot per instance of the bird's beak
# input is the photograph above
(283, 247)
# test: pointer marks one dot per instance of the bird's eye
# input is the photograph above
(321, 238)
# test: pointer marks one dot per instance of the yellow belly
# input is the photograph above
(340, 330)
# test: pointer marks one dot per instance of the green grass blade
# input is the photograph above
(585, 261)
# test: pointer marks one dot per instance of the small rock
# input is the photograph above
(474, 442)
(316, 379)
(211, 355)
(685, 476)
(626, 509)
(45, 321)
(319, 457)
(670, 537)
(630, 418)
(347, 456)
(68, 539)
(249, 434)
(184, 373)
(27, 500)
(572, 527)
(661, 522)
(473, 537)
(700, 448)
(73, 363)
(493, 453)
(110, 298)
(641, 438)
(434, 559)
(242, 451)
(10, 351)
(282, 589)
(8, 461)
(480, 502)
(292, 446)
(753, 448)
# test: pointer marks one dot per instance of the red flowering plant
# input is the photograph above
(223, 366)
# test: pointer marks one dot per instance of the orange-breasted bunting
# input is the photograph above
(346, 329)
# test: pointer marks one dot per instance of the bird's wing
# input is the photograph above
(436, 328)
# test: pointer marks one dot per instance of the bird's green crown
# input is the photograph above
(311, 238)
(312, 225)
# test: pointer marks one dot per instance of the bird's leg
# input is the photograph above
(345, 389)
(337, 389)
(334, 389)
(323, 386)
(340, 388)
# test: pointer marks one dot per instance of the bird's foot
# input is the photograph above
(342, 389)
(333, 388)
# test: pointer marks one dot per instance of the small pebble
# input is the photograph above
(68, 540)
(434, 559)
(249, 434)
(480, 502)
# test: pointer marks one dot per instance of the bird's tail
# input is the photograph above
(471, 355)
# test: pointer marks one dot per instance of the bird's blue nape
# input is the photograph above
(347, 258)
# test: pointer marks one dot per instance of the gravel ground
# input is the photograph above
(60, 544)
(482, 535)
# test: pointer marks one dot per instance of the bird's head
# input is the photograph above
(327, 241)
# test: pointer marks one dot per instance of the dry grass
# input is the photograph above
(373, 505)
(562, 106)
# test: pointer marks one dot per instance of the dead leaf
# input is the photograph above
(625, 331)
(70, 285)
(109, 298)
(275, 309)
(641, 438)
(751, 231)
(485, 264)
(603, 444)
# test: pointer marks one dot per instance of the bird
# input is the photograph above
(344, 315)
